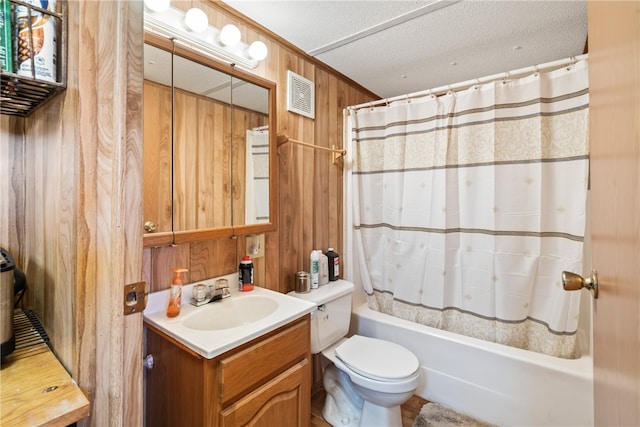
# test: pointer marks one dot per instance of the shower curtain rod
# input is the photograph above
(337, 152)
(441, 90)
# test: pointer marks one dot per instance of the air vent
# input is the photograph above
(301, 95)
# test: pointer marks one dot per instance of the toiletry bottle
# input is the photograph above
(324, 268)
(245, 274)
(334, 265)
(314, 268)
(175, 293)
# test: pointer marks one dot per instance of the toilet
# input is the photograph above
(365, 379)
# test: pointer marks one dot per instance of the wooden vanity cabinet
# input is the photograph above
(265, 382)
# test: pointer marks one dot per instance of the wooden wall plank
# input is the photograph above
(12, 186)
(212, 258)
(47, 235)
(323, 164)
(163, 261)
(133, 208)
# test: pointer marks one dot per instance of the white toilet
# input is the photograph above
(368, 378)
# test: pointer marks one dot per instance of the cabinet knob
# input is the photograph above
(147, 362)
(150, 226)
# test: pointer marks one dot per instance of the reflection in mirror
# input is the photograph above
(251, 153)
(201, 146)
(257, 176)
(157, 161)
(207, 157)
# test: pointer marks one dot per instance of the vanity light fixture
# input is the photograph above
(193, 30)
(230, 35)
(157, 5)
(196, 20)
(257, 50)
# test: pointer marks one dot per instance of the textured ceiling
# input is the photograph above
(398, 47)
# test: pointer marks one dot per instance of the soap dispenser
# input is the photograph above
(175, 293)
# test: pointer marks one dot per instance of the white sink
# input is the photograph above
(219, 326)
(231, 313)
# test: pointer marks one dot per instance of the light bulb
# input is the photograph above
(258, 51)
(157, 5)
(230, 35)
(196, 20)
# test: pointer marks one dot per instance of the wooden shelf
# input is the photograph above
(36, 389)
(21, 95)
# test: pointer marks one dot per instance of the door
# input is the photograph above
(614, 70)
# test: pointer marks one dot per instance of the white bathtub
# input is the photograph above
(496, 383)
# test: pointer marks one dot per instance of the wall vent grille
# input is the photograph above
(300, 95)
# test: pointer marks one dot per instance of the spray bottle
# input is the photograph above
(175, 293)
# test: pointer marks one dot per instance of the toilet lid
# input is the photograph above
(377, 359)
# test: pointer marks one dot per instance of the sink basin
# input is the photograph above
(231, 313)
(214, 328)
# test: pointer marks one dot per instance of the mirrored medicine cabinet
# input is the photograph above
(209, 147)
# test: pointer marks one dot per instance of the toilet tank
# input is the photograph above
(330, 320)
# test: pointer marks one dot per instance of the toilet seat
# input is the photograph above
(377, 359)
(399, 386)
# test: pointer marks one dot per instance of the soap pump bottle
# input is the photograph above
(175, 293)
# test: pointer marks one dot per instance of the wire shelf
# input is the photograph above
(28, 330)
(21, 95)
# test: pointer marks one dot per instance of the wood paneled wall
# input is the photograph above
(72, 204)
(310, 187)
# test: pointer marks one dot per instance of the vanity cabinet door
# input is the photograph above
(177, 388)
(284, 401)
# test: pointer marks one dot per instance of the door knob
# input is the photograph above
(575, 282)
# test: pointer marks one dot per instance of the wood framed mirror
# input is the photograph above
(209, 152)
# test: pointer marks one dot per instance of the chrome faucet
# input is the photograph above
(202, 295)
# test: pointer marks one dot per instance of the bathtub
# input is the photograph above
(493, 382)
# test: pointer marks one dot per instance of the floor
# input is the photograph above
(409, 410)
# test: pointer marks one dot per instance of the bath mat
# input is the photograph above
(436, 415)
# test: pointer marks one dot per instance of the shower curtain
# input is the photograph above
(467, 207)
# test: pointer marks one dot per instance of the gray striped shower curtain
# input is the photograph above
(467, 207)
